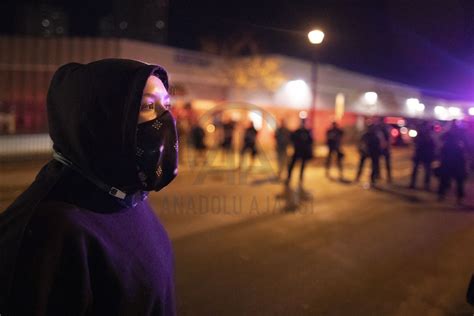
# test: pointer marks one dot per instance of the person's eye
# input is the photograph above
(149, 106)
(166, 102)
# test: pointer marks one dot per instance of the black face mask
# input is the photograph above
(157, 152)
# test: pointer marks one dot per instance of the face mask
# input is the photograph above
(157, 152)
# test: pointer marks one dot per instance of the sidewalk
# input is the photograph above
(24, 147)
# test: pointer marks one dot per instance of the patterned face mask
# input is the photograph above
(157, 152)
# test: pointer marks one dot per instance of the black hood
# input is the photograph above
(93, 111)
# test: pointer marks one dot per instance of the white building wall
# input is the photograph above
(329, 81)
(391, 96)
(203, 76)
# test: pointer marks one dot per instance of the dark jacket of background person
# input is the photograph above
(370, 143)
(425, 147)
(250, 136)
(228, 134)
(197, 137)
(334, 138)
(302, 143)
(384, 135)
(282, 138)
(453, 153)
(67, 246)
(370, 147)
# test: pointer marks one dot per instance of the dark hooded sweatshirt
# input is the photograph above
(67, 246)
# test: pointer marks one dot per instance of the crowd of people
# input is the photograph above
(442, 155)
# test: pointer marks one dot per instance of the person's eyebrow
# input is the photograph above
(152, 95)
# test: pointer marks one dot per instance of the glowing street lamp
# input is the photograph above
(303, 115)
(371, 97)
(455, 112)
(316, 36)
(414, 106)
(412, 102)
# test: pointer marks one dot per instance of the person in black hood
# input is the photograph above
(82, 239)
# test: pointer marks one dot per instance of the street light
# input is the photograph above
(455, 112)
(412, 102)
(316, 36)
(414, 106)
(371, 97)
(303, 115)
(441, 112)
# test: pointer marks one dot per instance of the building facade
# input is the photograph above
(207, 81)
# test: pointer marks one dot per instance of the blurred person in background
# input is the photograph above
(183, 138)
(333, 140)
(453, 162)
(198, 142)
(185, 118)
(83, 239)
(369, 147)
(249, 145)
(386, 147)
(302, 141)
(425, 150)
(228, 126)
(282, 140)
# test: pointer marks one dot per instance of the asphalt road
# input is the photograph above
(346, 250)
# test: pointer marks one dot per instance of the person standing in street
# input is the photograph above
(228, 127)
(424, 155)
(453, 162)
(198, 141)
(249, 144)
(386, 148)
(369, 147)
(333, 140)
(282, 139)
(302, 141)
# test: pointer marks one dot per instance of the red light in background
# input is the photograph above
(394, 132)
(437, 128)
(395, 120)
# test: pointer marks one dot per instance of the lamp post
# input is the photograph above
(315, 37)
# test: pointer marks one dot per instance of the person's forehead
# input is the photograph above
(154, 85)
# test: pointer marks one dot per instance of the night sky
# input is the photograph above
(429, 44)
